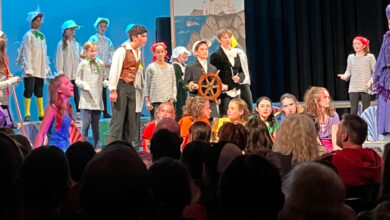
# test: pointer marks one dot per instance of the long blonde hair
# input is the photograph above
(297, 136)
(194, 107)
(312, 97)
(56, 101)
(2, 53)
(242, 106)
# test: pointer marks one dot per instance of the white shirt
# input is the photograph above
(105, 49)
(117, 63)
(68, 59)
(90, 81)
(244, 65)
(32, 57)
(203, 63)
(231, 54)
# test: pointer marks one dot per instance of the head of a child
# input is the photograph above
(159, 51)
(224, 37)
(137, 35)
(198, 107)
(288, 104)
(102, 27)
(36, 23)
(69, 33)
(200, 131)
(264, 108)
(201, 49)
(361, 44)
(238, 111)
(60, 89)
(2, 35)
(318, 101)
(2, 51)
(165, 110)
(180, 54)
(90, 50)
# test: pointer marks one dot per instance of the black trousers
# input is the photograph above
(76, 95)
(354, 97)
(33, 85)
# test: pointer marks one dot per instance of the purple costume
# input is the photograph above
(382, 82)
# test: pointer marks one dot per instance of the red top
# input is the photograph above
(147, 134)
(358, 166)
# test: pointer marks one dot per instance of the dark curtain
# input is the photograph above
(295, 44)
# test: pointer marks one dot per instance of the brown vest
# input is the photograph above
(129, 67)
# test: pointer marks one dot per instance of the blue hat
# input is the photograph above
(69, 24)
(33, 14)
(128, 28)
(388, 12)
(99, 19)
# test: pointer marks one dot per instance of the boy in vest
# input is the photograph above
(124, 67)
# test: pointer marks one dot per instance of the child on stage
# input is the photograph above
(105, 51)
(89, 78)
(6, 79)
(360, 67)
(160, 80)
(32, 58)
(68, 56)
(58, 116)
(179, 56)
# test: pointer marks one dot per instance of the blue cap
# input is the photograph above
(33, 14)
(99, 19)
(388, 12)
(69, 24)
(128, 28)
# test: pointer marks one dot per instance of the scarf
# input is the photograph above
(38, 34)
(93, 61)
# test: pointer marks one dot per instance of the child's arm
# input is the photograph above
(148, 78)
(372, 67)
(115, 70)
(174, 88)
(60, 59)
(347, 73)
(79, 78)
(8, 82)
(50, 115)
(28, 43)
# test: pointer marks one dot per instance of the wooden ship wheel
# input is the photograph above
(210, 86)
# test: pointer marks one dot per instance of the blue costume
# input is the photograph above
(60, 138)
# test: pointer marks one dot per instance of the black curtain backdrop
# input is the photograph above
(294, 44)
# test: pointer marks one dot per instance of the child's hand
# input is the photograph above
(17, 79)
(194, 87)
(368, 84)
(236, 79)
(105, 83)
(113, 96)
(149, 105)
(342, 77)
(87, 87)
(224, 87)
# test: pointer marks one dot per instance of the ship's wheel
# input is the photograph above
(210, 86)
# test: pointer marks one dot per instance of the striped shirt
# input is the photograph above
(160, 83)
(360, 70)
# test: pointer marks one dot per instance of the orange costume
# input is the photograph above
(185, 124)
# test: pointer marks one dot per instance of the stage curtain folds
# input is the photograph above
(295, 44)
